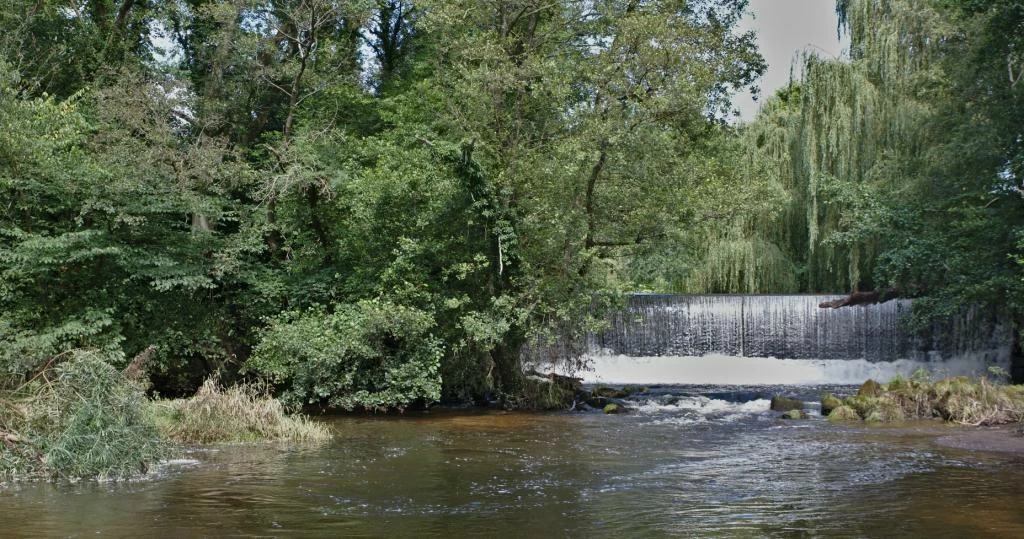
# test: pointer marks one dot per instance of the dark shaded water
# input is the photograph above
(683, 465)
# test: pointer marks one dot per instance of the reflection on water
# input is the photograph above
(689, 462)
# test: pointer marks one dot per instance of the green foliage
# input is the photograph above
(87, 421)
(482, 174)
(902, 162)
(369, 355)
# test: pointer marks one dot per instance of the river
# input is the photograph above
(689, 461)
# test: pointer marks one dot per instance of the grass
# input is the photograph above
(81, 418)
(241, 413)
(960, 400)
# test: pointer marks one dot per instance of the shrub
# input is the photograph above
(242, 413)
(81, 419)
(370, 355)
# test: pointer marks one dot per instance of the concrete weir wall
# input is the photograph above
(660, 338)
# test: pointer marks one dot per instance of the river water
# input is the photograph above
(689, 461)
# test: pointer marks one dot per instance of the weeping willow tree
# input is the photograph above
(846, 139)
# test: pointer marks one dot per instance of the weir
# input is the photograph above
(784, 339)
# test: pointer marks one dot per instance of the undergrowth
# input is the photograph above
(79, 419)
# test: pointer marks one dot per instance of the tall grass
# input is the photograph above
(960, 400)
(241, 413)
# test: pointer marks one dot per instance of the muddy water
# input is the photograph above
(694, 462)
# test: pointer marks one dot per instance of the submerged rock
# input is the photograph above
(785, 404)
(829, 402)
(795, 414)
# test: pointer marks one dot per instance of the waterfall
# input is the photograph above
(660, 338)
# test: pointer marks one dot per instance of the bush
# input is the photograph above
(371, 355)
(82, 419)
(242, 413)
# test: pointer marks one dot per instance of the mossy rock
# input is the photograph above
(612, 409)
(882, 409)
(829, 402)
(609, 392)
(844, 413)
(870, 388)
(634, 390)
(785, 404)
(600, 402)
(612, 393)
(543, 394)
(794, 414)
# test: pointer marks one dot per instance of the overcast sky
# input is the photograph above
(784, 28)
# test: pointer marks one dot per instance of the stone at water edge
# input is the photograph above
(794, 414)
(612, 409)
(829, 402)
(612, 393)
(785, 404)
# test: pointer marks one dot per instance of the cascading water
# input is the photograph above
(783, 339)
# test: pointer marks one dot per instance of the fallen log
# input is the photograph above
(861, 298)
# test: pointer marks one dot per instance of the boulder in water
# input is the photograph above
(829, 402)
(785, 404)
(612, 393)
(609, 392)
(612, 409)
(795, 414)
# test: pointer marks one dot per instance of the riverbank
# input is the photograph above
(84, 419)
(960, 400)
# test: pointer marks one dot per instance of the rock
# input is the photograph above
(844, 413)
(829, 402)
(794, 414)
(609, 392)
(599, 403)
(633, 390)
(785, 404)
(870, 388)
(884, 411)
(612, 393)
(612, 409)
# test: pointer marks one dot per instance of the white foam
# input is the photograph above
(699, 409)
(731, 370)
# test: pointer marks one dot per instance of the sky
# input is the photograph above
(784, 29)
